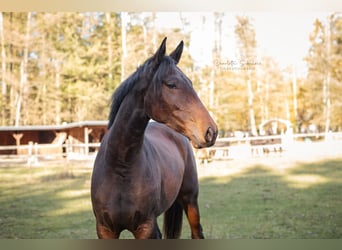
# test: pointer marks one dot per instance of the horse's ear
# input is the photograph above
(177, 53)
(160, 53)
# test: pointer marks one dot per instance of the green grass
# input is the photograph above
(302, 200)
(260, 203)
(45, 202)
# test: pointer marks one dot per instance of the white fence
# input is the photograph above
(224, 148)
(234, 147)
(32, 153)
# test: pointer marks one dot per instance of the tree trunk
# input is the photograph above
(3, 73)
(58, 99)
(250, 106)
(326, 83)
(123, 43)
(247, 46)
(294, 87)
(109, 46)
(261, 100)
(20, 95)
(154, 32)
(23, 72)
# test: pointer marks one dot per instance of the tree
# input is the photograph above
(247, 49)
(58, 67)
(323, 87)
(273, 91)
(15, 42)
(335, 87)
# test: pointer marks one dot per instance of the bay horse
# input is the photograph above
(145, 168)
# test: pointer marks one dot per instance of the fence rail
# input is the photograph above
(241, 147)
(324, 136)
(224, 148)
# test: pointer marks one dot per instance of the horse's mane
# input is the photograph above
(122, 91)
(120, 94)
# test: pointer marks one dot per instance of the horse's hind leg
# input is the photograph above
(192, 213)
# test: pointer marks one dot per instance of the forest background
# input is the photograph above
(64, 66)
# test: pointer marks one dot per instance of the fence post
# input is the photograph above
(86, 140)
(17, 137)
(32, 154)
(35, 157)
(68, 147)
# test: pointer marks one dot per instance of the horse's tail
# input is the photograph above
(173, 219)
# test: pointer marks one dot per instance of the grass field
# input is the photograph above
(257, 198)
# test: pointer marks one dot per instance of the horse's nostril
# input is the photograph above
(209, 136)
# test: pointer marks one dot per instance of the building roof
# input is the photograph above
(54, 127)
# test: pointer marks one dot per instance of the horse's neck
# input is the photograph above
(126, 135)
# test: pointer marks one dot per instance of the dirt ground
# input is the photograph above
(299, 152)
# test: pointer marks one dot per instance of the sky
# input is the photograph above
(281, 35)
(285, 36)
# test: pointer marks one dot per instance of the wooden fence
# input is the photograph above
(224, 148)
(243, 147)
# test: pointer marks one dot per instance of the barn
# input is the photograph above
(15, 140)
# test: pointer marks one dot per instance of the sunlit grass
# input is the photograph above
(299, 200)
(266, 198)
(305, 181)
(45, 202)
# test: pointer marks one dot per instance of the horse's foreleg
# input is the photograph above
(192, 213)
(105, 233)
(148, 230)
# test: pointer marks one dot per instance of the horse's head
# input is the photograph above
(172, 100)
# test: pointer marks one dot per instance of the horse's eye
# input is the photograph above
(171, 85)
